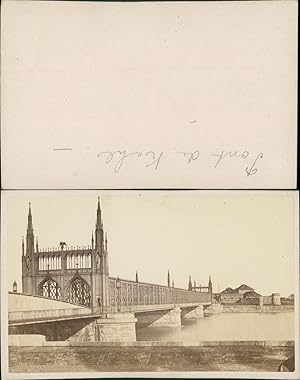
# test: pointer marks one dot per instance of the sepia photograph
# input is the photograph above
(149, 211)
(156, 282)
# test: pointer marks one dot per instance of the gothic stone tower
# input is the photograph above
(100, 273)
(30, 260)
(76, 275)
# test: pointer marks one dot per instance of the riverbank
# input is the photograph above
(150, 356)
(232, 308)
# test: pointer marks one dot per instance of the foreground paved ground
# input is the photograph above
(114, 358)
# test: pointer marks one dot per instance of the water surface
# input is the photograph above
(227, 326)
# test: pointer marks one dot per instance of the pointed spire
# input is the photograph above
(136, 276)
(209, 285)
(92, 240)
(23, 250)
(29, 224)
(98, 222)
(195, 284)
(190, 282)
(106, 242)
(169, 280)
(37, 244)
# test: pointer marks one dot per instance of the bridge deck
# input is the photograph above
(149, 308)
(41, 316)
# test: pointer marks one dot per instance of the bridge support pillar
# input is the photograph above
(171, 319)
(196, 313)
(214, 308)
(118, 327)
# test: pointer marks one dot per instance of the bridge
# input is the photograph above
(76, 299)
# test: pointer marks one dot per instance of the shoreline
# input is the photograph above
(252, 356)
(232, 308)
(150, 343)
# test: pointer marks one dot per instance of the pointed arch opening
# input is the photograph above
(49, 288)
(79, 292)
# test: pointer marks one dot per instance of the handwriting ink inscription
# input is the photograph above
(253, 169)
(153, 159)
(239, 155)
(191, 156)
(156, 161)
(243, 155)
(121, 156)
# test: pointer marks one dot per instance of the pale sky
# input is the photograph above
(237, 237)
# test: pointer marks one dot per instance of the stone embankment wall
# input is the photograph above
(256, 308)
(149, 356)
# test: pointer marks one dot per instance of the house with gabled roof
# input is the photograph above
(290, 299)
(231, 296)
(242, 289)
(245, 295)
(228, 291)
(251, 294)
(251, 298)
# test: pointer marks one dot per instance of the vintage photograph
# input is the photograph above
(149, 282)
(167, 274)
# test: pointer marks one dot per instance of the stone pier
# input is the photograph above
(119, 327)
(196, 313)
(171, 319)
(214, 308)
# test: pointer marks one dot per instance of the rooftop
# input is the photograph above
(244, 287)
(228, 291)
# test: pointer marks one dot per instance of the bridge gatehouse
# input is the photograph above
(80, 275)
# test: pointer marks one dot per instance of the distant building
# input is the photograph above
(267, 300)
(244, 289)
(231, 296)
(245, 295)
(228, 291)
(291, 299)
(251, 294)
(251, 298)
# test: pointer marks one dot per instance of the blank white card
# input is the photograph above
(149, 95)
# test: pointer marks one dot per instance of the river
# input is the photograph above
(227, 326)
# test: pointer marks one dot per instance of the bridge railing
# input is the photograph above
(130, 293)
